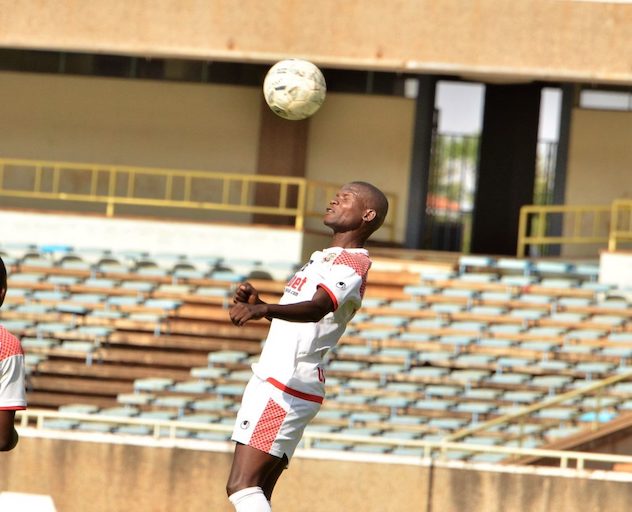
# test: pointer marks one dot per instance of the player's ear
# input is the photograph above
(369, 215)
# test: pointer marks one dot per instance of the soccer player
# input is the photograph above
(12, 389)
(288, 385)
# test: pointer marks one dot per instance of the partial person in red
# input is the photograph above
(12, 374)
(288, 385)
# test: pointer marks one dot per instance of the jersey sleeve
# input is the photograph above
(12, 383)
(346, 279)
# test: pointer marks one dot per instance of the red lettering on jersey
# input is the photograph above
(303, 281)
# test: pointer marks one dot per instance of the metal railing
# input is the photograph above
(169, 430)
(555, 225)
(115, 185)
(620, 223)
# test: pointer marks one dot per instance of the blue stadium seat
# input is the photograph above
(475, 261)
(227, 356)
(152, 384)
(134, 399)
(443, 390)
(447, 424)
(213, 404)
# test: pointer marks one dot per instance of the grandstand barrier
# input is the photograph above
(113, 186)
(615, 268)
(620, 223)
(168, 429)
(549, 225)
(108, 472)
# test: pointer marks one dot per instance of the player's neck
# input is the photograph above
(347, 240)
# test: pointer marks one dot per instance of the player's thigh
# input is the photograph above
(251, 467)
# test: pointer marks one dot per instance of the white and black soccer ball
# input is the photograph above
(294, 89)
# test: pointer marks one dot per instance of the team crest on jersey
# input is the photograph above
(329, 257)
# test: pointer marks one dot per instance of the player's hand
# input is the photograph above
(242, 312)
(246, 293)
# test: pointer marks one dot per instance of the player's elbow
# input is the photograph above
(318, 313)
(8, 440)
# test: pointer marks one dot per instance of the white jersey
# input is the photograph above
(12, 373)
(293, 351)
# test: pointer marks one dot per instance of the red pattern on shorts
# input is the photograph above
(358, 262)
(268, 427)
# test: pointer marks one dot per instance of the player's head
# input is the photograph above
(3, 281)
(357, 206)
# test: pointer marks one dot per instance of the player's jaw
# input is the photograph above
(341, 219)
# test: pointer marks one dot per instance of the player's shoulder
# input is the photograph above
(358, 260)
(9, 344)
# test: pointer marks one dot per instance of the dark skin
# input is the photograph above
(352, 216)
(8, 434)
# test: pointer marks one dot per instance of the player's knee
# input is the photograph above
(233, 486)
(9, 441)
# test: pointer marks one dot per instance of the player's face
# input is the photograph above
(346, 209)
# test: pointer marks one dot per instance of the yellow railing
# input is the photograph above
(575, 224)
(115, 185)
(621, 223)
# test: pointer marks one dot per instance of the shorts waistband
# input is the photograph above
(294, 392)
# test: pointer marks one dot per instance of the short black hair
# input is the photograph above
(3, 275)
(3, 281)
(376, 200)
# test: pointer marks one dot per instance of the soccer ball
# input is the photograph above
(294, 89)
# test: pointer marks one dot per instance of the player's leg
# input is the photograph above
(248, 476)
(273, 477)
(251, 467)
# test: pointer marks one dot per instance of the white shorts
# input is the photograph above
(272, 420)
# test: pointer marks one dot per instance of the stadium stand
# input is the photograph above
(431, 354)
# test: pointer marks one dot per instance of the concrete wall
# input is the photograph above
(102, 477)
(600, 157)
(501, 39)
(129, 122)
(119, 235)
(599, 168)
(189, 126)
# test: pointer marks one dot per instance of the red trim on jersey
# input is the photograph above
(331, 295)
(294, 392)
(13, 408)
(267, 427)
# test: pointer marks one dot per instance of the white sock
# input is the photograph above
(250, 499)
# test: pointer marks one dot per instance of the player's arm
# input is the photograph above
(8, 434)
(308, 311)
(247, 293)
